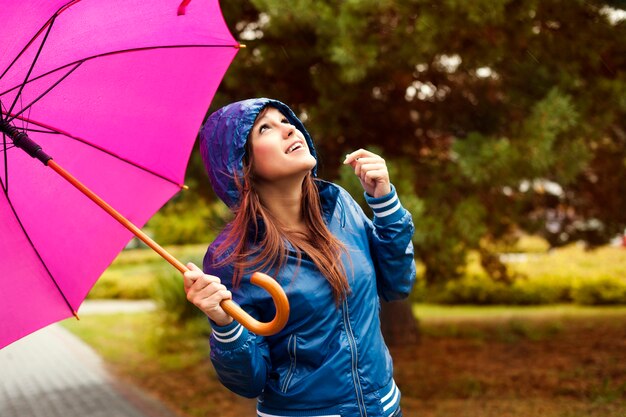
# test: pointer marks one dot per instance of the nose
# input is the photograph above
(288, 130)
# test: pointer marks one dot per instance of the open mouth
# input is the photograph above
(295, 147)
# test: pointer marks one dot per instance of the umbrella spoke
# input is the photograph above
(50, 132)
(42, 95)
(6, 166)
(30, 42)
(52, 129)
(43, 263)
(121, 51)
(4, 153)
(32, 65)
(17, 57)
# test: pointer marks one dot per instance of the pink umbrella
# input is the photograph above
(114, 91)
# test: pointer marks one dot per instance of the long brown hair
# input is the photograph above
(256, 240)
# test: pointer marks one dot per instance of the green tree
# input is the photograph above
(492, 101)
(504, 115)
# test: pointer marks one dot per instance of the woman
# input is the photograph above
(331, 260)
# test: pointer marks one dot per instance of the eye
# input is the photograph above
(263, 127)
(285, 121)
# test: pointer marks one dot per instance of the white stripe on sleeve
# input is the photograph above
(232, 339)
(385, 204)
(388, 212)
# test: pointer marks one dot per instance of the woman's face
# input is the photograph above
(279, 150)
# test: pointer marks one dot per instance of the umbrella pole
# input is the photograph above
(117, 216)
(258, 278)
(22, 141)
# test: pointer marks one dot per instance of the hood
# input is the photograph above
(223, 139)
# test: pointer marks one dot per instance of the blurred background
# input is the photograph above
(503, 123)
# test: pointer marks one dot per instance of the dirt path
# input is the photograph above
(559, 368)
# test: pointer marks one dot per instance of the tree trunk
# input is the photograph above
(399, 325)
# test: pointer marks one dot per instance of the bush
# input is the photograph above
(545, 290)
(565, 275)
(472, 289)
(133, 274)
(184, 222)
(117, 284)
(182, 326)
(600, 291)
(481, 290)
(169, 294)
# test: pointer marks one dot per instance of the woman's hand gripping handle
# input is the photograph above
(208, 294)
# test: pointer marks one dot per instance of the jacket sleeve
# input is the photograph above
(392, 251)
(240, 358)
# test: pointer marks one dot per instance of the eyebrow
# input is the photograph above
(265, 116)
(261, 119)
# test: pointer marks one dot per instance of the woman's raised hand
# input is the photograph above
(371, 170)
(207, 292)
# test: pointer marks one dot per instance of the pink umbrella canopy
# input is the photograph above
(114, 91)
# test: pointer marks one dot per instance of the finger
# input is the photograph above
(194, 267)
(375, 176)
(206, 280)
(359, 163)
(211, 288)
(372, 167)
(361, 153)
(201, 282)
(212, 301)
(199, 291)
(190, 277)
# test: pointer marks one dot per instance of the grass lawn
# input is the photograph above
(553, 361)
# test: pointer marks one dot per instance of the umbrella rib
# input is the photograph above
(6, 164)
(49, 23)
(147, 48)
(5, 147)
(53, 129)
(32, 65)
(30, 242)
(42, 95)
(45, 25)
(30, 129)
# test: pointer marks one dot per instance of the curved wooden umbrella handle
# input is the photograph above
(236, 312)
(280, 301)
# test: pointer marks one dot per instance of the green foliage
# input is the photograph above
(181, 324)
(120, 284)
(187, 220)
(134, 273)
(541, 291)
(471, 98)
(172, 304)
(483, 290)
(600, 291)
(567, 275)
(472, 289)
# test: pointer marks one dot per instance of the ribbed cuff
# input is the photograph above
(229, 337)
(387, 209)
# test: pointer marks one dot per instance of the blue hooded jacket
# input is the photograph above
(328, 361)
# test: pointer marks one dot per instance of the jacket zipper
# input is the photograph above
(355, 360)
(291, 348)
